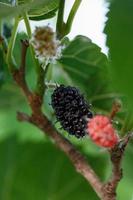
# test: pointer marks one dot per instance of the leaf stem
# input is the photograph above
(60, 18)
(10, 59)
(39, 70)
(71, 16)
(28, 28)
(40, 88)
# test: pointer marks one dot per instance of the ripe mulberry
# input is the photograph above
(71, 110)
(102, 132)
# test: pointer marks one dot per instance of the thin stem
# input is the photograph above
(40, 81)
(10, 59)
(28, 28)
(60, 22)
(71, 16)
(25, 45)
(39, 69)
(115, 109)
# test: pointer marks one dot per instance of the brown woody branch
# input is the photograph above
(116, 155)
(78, 160)
(104, 191)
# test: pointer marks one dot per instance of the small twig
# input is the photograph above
(23, 117)
(116, 155)
(115, 109)
(25, 45)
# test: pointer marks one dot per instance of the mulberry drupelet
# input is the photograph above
(71, 110)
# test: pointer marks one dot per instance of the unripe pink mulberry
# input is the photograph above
(101, 131)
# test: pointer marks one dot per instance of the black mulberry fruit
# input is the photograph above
(71, 110)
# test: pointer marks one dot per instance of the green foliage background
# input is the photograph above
(31, 167)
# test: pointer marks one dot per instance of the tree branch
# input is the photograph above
(105, 191)
(38, 119)
(78, 160)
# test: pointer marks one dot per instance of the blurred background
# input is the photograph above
(31, 167)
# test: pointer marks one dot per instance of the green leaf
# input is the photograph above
(81, 59)
(44, 12)
(6, 10)
(39, 17)
(82, 53)
(41, 171)
(6, 1)
(119, 30)
(34, 8)
(86, 66)
(41, 12)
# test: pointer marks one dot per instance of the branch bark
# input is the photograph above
(78, 160)
(116, 156)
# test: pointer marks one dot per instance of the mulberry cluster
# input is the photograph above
(71, 110)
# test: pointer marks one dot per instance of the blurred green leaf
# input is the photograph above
(20, 2)
(8, 109)
(1, 66)
(119, 30)
(8, 116)
(5, 1)
(125, 189)
(34, 8)
(5, 10)
(27, 172)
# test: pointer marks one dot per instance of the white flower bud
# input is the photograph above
(47, 46)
